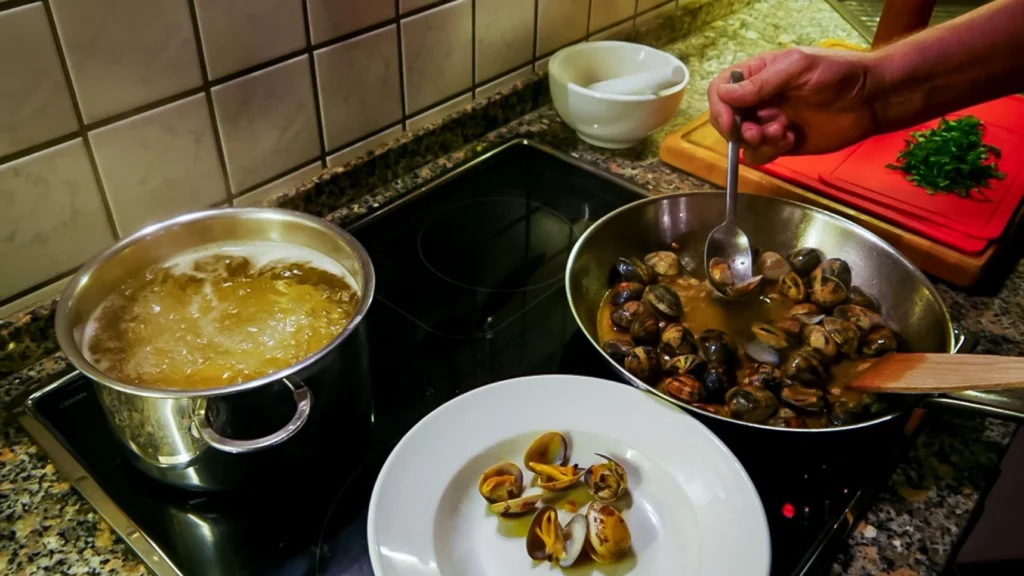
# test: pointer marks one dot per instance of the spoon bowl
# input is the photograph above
(727, 258)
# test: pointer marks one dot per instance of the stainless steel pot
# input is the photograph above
(908, 299)
(213, 438)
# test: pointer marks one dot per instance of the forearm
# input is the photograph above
(970, 60)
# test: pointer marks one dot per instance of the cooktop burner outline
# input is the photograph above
(518, 219)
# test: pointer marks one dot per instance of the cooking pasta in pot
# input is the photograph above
(220, 315)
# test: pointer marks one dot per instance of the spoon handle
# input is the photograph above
(931, 373)
(733, 174)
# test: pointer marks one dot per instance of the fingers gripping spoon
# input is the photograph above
(727, 258)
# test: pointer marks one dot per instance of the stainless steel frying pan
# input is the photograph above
(908, 299)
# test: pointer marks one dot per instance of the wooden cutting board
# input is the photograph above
(698, 149)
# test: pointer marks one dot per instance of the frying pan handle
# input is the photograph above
(1004, 405)
(985, 404)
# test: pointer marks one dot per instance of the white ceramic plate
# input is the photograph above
(692, 510)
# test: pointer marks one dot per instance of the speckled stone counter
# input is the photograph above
(47, 528)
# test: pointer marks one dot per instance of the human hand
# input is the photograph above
(796, 101)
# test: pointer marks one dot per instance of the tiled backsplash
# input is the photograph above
(118, 113)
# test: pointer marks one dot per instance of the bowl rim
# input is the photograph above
(554, 64)
(950, 331)
(65, 331)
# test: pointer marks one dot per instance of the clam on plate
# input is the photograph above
(690, 501)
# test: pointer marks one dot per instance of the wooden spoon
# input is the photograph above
(931, 373)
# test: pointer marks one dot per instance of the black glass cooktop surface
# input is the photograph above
(469, 291)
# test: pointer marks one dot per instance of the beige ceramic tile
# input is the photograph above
(260, 195)
(35, 105)
(359, 86)
(437, 54)
(267, 122)
(642, 5)
(607, 12)
(159, 164)
(491, 88)
(238, 34)
(126, 53)
(360, 148)
(439, 113)
(620, 32)
(332, 18)
(409, 5)
(504, 36)
(51, 216)
(560, 22)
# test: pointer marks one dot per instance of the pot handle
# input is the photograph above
(303, 406)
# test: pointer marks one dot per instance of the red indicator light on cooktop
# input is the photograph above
(788, 510)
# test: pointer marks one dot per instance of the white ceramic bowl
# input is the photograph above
(607, 120)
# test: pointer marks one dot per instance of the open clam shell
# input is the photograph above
(548, 448)
(516, 506)
(548, 540)
(607, 481)
(575, 536)
(501, 482)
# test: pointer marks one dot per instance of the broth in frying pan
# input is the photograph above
(781, 355)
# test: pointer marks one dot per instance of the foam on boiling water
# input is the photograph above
(221, 314)
(260, 254)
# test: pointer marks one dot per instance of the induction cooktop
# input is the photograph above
(470, 290)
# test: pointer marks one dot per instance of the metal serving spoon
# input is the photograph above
(727, 259)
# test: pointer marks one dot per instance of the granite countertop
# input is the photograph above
(46, 527)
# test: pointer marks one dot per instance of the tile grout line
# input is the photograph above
(421, 9)
(654, 8)
(447, 100)
(314, 84)
(472, 47)
(590, 14)
(536, 32)
(401, 66)
(218, 144)
(15, 4)
(309, 50)
(377, 27)
(82, 131)
(210, 84)
(501, 75)
(276, 177)
(362, 139)
(45, 145)
(227, 78)
(64, 274)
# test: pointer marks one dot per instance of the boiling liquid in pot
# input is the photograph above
(220, 315)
